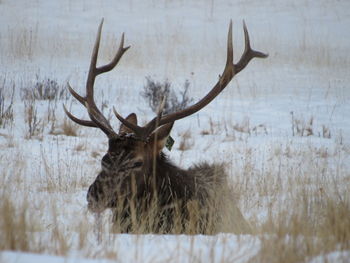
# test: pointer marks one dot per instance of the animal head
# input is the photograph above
(128, 159)
(127, 151)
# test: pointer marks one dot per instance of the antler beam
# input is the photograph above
(96, 116)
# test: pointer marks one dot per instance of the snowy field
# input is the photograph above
(282, 126)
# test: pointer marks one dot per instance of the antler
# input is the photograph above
(97, 118)
(229, 72)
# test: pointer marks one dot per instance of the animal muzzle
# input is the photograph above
(95, 198)
(95, 208)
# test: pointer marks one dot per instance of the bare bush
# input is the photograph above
(245, 127)
(314, 214)
(45, 89)
(154, 92)
(304, 128)
(14, 227)
(6, 107)
(65, 128)
(59, 127)
(34, 124)
(186, 142)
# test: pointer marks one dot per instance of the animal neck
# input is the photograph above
(163, 166)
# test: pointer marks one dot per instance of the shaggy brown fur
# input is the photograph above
(161, 199)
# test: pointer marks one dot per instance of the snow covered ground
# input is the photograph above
(282, 125)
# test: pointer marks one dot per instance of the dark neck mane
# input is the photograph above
(165, 167)
(170, 177)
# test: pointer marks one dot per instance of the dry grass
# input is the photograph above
(307, 204)
(23, 42)
(26, 42)
(16, 226)
(301, 191)
(220, 215)
(80, 147)
(214, 127)
(306, 200)
(61, 177)
(299, 188)
(306, 127)
(317, 225)
(186, 141)
(24, 232)
(35, 125)
(69, 128)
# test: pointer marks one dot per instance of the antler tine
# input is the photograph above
(79, 121)
(229, 70)
(229, 58)
(81, 99)
(117, 57)
(93, 70)
(135, 128)
(96, 119)
(248, 53)
(143, 132)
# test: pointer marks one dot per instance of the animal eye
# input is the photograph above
(115, 153)
(138, 164)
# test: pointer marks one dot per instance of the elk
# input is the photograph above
(146, 192)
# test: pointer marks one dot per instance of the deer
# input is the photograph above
(138, 182)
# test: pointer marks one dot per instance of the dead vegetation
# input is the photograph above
(301, 189)
(317, 225)
(306, 127)
(154, 92)
(6, 103)
(34, 123)
(293, 193)
(186, 141)
(67, 128)
(304, 200)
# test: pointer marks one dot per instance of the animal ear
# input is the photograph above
(132, 118)
(158, 138)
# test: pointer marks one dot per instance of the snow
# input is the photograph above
(305, 77)
(336, 256)
(9, 256)
(151, 248)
